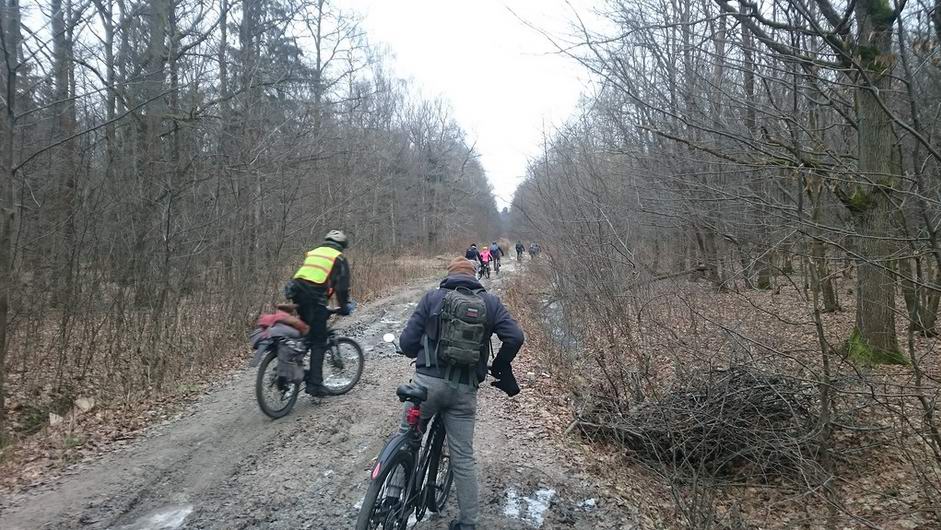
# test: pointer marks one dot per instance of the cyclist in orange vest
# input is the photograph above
(325, 272)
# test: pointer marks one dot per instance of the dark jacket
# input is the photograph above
(472, 254)
(424, 321)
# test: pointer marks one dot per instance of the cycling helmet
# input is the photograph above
(337, 237)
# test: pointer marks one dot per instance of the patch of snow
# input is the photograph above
(588, 504)
(512, 507)
(536, 506)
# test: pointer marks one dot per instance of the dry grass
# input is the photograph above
(136, 366)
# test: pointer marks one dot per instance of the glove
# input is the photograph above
(497, 370)
(506, 382)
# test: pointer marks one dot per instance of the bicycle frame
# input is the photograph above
(412, 441)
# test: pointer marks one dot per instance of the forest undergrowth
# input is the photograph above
(708, 414)
(73, 399)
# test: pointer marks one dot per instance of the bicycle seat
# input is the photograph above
(412, 392)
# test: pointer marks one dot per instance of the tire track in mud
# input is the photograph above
(224, 465)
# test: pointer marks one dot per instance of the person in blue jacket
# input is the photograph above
(456, 401)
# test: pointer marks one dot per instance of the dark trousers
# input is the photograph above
(312, 308)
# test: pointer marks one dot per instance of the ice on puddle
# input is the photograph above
(168, 518)
(531, 509)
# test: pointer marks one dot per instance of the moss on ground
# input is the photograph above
(860, 352)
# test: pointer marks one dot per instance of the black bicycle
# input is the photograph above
(413, 472)
(484, 270)
(342, 367)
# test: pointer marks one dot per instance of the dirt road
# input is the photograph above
(222, 464)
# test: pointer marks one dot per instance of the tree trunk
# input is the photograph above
(874, 339)
(10, 43)
(64, 109)
(921, 302)
(875, 336)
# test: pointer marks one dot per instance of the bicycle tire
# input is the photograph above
(272, 412)
(436, 496)
(364, 521)
(358, 372)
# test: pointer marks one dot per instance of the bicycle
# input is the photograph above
(409, 476)
(483, 270)
(343, 366)
(496, 266)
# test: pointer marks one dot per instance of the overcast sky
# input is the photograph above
(501, 77)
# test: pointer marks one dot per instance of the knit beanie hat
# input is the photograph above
(461, 266)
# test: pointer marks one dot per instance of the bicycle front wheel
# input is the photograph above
(342, 366)
(275, 397)
(385, 505)
(440, 473)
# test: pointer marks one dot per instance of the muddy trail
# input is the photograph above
(223, 464)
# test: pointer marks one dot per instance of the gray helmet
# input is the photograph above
(337, 237)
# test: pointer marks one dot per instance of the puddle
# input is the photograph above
(168, 518)
(531, 509)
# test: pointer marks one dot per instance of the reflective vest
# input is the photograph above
(317, 265)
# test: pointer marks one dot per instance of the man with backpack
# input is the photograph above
(496, 253)
(449, 337)
(519, 250)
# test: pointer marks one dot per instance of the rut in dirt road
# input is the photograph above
(222, 464)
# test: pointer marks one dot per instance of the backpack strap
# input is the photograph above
(424, 349)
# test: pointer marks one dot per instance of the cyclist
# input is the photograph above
(325, 272)
(496, 253)
(452, 389)
(520, 247)
(473, 254)
(485, 258)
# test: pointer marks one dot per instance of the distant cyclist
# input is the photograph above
(473, 254)
(520, 248)
(485, 258)
(495, 254)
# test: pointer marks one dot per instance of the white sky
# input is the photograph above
(503, 79)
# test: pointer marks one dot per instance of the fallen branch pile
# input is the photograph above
(737, 422)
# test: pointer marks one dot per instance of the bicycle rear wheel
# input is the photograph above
(385, 505)
(342, 366)
(275, 398)
(440, 474)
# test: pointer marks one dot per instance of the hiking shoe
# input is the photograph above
(455, 525)
(315, 390)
